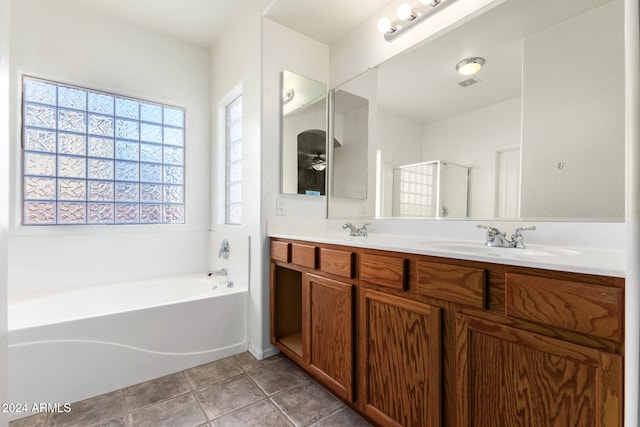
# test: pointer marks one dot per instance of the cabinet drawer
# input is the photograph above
(383, 270)
(574, 306)
(464, 285)
(336, 262)
(304, 255)
(281, 251)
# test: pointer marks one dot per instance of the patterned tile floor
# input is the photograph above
(236, 391)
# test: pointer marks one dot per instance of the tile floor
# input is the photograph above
(236, 391)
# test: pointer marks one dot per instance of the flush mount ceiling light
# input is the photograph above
(408, 16)
(470, 66)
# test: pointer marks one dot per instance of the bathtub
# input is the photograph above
(70, 345)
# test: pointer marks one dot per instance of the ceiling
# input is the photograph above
(324, 20)
(202, 21)
(422, 84)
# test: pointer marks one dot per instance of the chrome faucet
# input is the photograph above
(497, 239)
(494, 238)
(219, 272)
(354, 231)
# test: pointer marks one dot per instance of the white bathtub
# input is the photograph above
(70, 345)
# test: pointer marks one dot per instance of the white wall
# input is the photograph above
(235, 59)
(471, 139)
(283, 48)
(399, 138)
(55, 41)
(573, 117)
(4, 197)
(632, 210)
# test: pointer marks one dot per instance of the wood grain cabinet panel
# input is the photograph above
(399, 360)
(579, 307)
(330, 344)
(338, 262)
(455, 283)
(383, 270)
(511, 377)
(280, 251)
(411, 340)
(304, 255)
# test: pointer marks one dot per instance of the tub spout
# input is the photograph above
(220, 272)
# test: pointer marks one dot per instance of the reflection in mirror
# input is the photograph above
(351, 113)
(540, 129)
(433, 189)
(303, 145)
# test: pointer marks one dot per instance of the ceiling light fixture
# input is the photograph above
(408, 16)
(470, 66)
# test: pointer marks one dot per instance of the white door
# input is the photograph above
(508, 182)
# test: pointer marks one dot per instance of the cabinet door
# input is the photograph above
(330, 336)
(511, 377)
(399, 360)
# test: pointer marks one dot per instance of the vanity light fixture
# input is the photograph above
(384, 25)
(405, 13)
(408, 16)
(470, 66)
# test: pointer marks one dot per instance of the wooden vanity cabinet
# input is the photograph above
(416, 340)
(312, 311)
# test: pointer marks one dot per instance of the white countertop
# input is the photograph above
(588, 260)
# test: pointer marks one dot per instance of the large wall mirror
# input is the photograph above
(536, 133)
(304, 118)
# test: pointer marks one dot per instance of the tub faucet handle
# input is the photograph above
(223, 252)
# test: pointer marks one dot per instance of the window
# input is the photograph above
(91, 157)
(233, 181)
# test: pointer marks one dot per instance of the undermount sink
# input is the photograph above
(478, 248)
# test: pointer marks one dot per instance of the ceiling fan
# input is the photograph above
(318, 163)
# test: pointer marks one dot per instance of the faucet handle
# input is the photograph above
(490, 229)
(517, 240)
(518, 231)
(347, 225)
(362, 231)
(494, 236)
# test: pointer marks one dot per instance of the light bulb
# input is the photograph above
(404, 12)
(384, 24)
(469, 69)
(470, 66)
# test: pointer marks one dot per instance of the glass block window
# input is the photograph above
(91, 157)
(233, 184)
